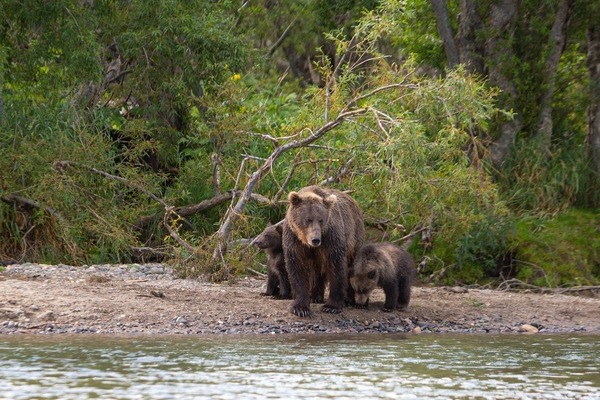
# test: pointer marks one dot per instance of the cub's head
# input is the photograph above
(364, 275)
(270, 238)
(308, 215)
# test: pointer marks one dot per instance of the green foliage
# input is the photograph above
(61, 105)
(161, 94)
(541, 184)
(414, 30)
(564, 250)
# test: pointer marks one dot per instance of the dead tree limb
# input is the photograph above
(217, 200)
(174, 235)
(235, 211)
(216, 177)
(75, 165)
(12, 198)
(513, 285)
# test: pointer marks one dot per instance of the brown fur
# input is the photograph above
(323, 231)
(278, 284)
(387, 266)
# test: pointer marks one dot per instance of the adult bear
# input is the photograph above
(323, 231)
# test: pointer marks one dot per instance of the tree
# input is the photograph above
(593, 136)
(556, 44)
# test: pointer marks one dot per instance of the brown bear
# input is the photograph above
(323, 230)
(278, 283)
(385, 265)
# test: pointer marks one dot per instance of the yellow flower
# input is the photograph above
(236, 77)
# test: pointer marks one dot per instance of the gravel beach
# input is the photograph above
(149, 300)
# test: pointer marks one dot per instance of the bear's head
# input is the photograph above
(270, 238)
(308, 216)
(364, 275)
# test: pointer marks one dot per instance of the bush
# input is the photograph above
(558, 251)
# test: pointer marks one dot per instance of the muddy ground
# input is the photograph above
(148, 299)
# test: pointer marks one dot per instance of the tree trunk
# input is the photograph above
(593, 136)
(470, 48)
(445, 31)
(556, 45)
(498, 51)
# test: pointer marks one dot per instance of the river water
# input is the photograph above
(301, 367)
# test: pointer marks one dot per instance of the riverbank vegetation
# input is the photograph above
(144, 130)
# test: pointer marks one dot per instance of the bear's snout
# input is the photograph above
(316, 242)
(362, 299)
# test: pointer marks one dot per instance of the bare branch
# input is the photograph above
(14, 198)
(216, 177)
(343, 170)
(283, 36)
(234, 212)
(373, 92)
(174, 235)
(62, 164)
(287, 180)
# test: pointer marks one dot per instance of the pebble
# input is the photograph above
(112, 271)
(14, 319)
(528, 328)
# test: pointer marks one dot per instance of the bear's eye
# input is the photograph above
(309, 221)
(320, 220)
(371, 274)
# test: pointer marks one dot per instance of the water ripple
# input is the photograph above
(302, 367)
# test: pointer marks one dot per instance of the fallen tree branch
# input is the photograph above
(12, 198)
(186, 211)
(71, 164)
(516, 285)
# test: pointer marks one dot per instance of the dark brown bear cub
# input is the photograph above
(323, 231)
(278, 284)
(387, 266)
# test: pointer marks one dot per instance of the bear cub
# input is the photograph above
(278, 283)
(385, 265)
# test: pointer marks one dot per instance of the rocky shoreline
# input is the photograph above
(149, 300)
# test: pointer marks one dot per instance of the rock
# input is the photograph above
(457, 289)
(181, 321)
(9, 313)
(46, 316)
(417, 330)
(527, 328)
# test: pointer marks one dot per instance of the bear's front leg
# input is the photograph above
(272, 285)
(317, 292)
(337, 276)
(300, 282)
(285, 290)
(301, 305)
(391, 296)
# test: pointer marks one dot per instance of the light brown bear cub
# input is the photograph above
(323, 230)
(385, 265)
(278, 283)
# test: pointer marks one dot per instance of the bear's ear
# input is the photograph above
(330, 200)
(294, 198)
(279, 228)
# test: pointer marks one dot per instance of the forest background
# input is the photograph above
(173, 130)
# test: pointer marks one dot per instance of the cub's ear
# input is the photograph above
(294, 198)
(279, 228)
(330, 200)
